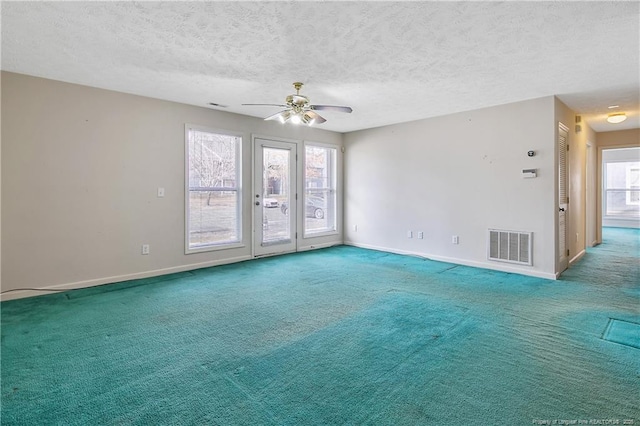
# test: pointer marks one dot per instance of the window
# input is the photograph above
(622, 189)
(320, 190)
(633, 184)
(213, 198)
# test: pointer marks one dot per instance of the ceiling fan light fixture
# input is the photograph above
(300, 111)
(284, 116)
(308, 119)
(296, 119)
(617, 117)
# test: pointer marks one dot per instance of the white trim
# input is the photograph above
(333, 184)
(611, 222)
(239, 190)
(463, 262)
(577, 257)
(320, 234)
(322, 144)
(216, 247)
(256, 222)
(120, 278)
(319, 246)
(255, 136)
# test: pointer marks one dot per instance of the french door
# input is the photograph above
(274, 197)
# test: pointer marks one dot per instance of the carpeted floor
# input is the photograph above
(335, 336)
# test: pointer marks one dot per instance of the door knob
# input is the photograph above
(257, 203)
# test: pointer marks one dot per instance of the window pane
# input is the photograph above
(276, 226)
(212, 160)
(213, 203)
(622, 189)
(213, 218)
(320, 189)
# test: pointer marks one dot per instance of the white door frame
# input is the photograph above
(274, 232)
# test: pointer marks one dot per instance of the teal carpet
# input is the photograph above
(335, 336)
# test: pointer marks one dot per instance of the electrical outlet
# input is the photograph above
(420, 235)
(160, 192)
(145, 249)
(409, 234)
(455, 239)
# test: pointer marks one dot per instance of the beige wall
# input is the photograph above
(619, 139)
(459, 174)
(80, 172)
(604, 140)
(0, 182)
(81, 166)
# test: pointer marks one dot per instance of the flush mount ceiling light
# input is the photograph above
(617, 117)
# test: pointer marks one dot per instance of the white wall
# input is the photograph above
(80, 171)
(455, 175)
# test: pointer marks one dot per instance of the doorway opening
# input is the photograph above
(621, 188)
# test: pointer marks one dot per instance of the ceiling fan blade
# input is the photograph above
(278, 105)
(282, 116)
(311, 117)
(330, 108)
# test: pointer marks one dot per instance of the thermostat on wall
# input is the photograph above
(529, 173)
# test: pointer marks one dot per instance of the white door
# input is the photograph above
(563, 197)
(274, 197)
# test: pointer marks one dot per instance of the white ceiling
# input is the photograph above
(391, 61)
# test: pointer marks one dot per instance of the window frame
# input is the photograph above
(238, 242)
(606, 189)
(333, 187)
(630, 187)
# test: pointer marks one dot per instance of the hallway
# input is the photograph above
(614, 263)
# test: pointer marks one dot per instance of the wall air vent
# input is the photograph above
(510, 246)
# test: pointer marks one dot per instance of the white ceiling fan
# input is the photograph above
(298, 110)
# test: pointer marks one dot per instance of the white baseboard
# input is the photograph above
(457, 261)
(620, 223)
(577, 257)
(319, 246)
(19, 294)
(158, 272)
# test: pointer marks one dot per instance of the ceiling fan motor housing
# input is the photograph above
(297, 100)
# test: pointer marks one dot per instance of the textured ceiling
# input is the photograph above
(391, 61)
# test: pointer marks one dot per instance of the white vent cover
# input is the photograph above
(510, 246)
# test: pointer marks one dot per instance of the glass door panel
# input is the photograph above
(275, 197)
